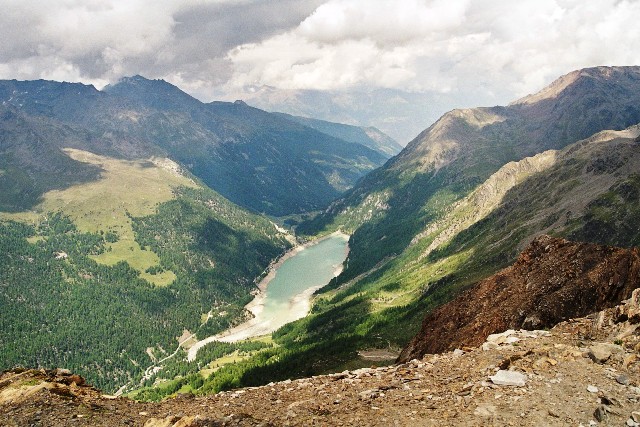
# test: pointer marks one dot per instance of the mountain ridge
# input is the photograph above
(138, 117)
(463, 148)
(368, 136)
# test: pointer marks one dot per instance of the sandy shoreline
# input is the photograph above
(299, 305)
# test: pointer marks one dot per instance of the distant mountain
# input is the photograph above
(367, 136)
(257, 159)
(399, 114)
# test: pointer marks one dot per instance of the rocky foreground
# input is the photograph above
(585, 371)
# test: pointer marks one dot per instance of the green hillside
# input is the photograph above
(459, 203)
(102, 277)
(588, 191)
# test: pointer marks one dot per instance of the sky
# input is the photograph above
(487, 52)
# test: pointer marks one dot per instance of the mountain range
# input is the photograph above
(259, 160)
(107, 197)
(181, 234)
(398, 113)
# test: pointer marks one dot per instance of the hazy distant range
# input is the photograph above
(399, 114)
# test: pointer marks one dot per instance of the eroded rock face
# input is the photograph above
(553, 280)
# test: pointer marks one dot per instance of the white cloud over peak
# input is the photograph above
(498, 47)
(489, 51)
(383, 21)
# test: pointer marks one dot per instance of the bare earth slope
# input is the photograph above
(572, 375)
(552, 280)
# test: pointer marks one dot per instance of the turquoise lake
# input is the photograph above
(288, 293)
(312, 267)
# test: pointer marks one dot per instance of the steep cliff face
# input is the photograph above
(553, 280)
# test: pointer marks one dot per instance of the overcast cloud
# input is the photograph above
(490, 50)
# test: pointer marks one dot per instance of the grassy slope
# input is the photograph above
(203, 251)
(124, 189)
(587, 191)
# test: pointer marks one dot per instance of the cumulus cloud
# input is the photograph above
(98, 41)
(490, 50)
(493, 48)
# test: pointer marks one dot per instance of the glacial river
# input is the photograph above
(286, 292)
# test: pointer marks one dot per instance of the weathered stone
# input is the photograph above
(368, 394)
(592, 389)
(622, 379)
(601, 352)
(489, 346)
(485, 410)
(500, 338)
(609, 400)
(601, 414)
(161, 422)
(510, 378)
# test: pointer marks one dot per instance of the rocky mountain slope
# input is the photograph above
(254, 158)
(571, 375)
(553, 280)
(24, 176)
(427, 235)
(463, 148)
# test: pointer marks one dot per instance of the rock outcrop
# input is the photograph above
(553, 280)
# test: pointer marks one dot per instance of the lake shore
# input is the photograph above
(299, 305)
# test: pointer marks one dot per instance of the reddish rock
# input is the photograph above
(553, 280)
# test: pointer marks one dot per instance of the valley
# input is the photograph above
(141, 258)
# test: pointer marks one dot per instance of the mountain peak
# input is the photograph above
(156, 93)
(561, 84)
(139, 81)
